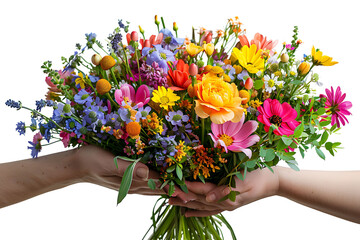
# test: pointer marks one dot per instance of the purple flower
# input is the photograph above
(177, 118)
(142, 113)
(153, 75)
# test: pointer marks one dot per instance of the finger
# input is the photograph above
(200, 187)
(195, 213)
(141, 171)
(217, 193)
(194, 205)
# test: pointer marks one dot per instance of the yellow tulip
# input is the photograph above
(193, 49)
(209, 48)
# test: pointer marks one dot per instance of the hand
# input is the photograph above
(203, 199)
(97, 166)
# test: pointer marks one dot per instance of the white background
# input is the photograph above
(35, 31)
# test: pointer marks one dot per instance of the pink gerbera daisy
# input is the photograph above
(282, 115)
(336, 106)
(235, 136)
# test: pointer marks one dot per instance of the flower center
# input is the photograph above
(164, 100)
(177, 117)
(167, 40)
(276, 120)
(66, 108)
(226, 139)
(271, 83)
(85, 96)
(163, 55)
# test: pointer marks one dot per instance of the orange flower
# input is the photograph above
(179, 78)
(107, 62)
(103, 86)
(133, 129)
(218, 100)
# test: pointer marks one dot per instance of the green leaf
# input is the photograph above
(126, 182)
(299, 130)
(201, 177)
(171, 188)
(320, 153)
(270, 155)
(271, 129)
(179, 172)
(262, 152)
(239, 175)
(324, 123)
(151, 184)
(324, 138)
(258, 84)
(293, 166)
(320, 111)
(286, 140)
(302, 152)
(184, 188)
(232, 195)
(171, 168)
(281, 145)
(251, 164)
(333, 128)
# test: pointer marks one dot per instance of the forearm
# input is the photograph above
(336, 193)
(24, 179)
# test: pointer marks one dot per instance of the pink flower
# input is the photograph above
(65, 137)
(127, 93)
(260, 41)
(336, 106)
(281, 115)
(235, 136)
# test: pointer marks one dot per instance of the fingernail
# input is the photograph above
(211, 197)
(142, 173)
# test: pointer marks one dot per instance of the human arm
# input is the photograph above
(333, 192)
(21, 180)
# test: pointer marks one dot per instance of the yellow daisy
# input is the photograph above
(166, 97)
(249, 58)
(320, 59)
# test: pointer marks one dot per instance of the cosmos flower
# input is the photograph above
(337, 107)
(235, 137)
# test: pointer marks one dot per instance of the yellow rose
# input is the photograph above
(218, 100)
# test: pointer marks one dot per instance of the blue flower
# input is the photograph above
(80, 129)
(33, 125)
(63, 109)
(93, 79)
(20, 127)
(92, 114)
(158, 55)
(45, 130)
(13, 104)
(169, 41)
(35, 149)
(82, 97)
(90, 37)
(70, 124)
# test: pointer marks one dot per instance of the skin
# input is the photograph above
(332, 192)
(21, 180)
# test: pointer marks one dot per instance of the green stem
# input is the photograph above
(202, 131)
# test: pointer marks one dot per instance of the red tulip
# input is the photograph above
(179, 78)
(249, 83)
(134, 36)
(193, 69)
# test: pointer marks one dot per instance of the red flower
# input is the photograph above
(179, 78)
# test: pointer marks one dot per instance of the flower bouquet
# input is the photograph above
(206, 108)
